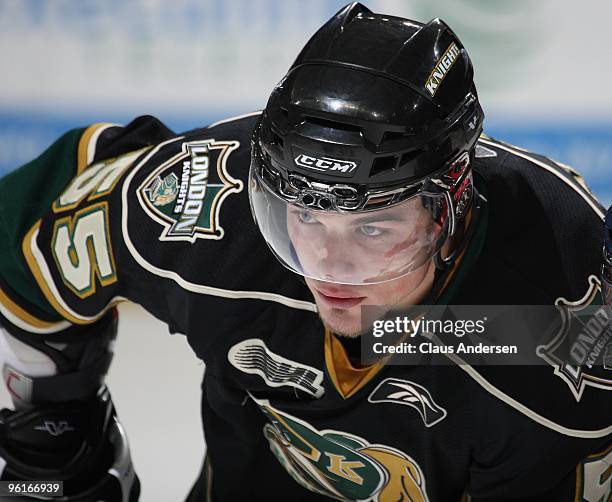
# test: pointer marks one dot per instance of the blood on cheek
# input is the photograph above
(399, 247)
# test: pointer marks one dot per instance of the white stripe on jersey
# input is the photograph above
(232, 119)
(491, 389)
(54, 328)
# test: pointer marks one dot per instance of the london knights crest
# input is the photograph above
(582, 344)
(185, 193)
(341, 465)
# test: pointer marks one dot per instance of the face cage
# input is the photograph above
(438, 193)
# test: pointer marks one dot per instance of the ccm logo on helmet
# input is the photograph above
(442, 67)
(325, 164)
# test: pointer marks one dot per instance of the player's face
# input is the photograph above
(356, 248)
(340, 247)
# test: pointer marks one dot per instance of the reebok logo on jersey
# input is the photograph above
(442, 68)
(196, 181)
(326, 164)
(396, 391)
(253, 356)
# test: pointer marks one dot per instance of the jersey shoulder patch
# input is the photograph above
(570, 392)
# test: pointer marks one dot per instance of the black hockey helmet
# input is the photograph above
(375, 112)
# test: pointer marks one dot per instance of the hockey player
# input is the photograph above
(370, 184)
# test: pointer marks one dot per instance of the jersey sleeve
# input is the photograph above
(138, 213)
(55, 235)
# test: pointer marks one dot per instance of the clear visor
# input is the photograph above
(365, 247)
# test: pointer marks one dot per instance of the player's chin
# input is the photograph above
(342, 321)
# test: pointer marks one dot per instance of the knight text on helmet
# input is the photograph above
(442, 67)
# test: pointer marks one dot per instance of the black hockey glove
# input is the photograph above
(80, 443)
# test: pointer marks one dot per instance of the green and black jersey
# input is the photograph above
(109, 214)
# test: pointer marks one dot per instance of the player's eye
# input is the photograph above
(371, 231)
(306, 217)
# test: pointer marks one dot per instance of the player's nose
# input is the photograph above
(334, 260)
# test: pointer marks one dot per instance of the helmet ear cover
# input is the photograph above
(459, 183)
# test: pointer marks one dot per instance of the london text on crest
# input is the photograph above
(185, 193)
